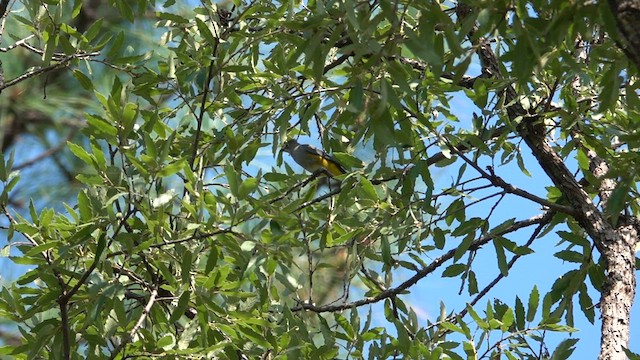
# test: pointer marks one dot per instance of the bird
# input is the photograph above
(313, 159)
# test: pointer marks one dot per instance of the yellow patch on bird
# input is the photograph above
(332, 167)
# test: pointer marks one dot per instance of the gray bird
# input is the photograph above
(313, 159)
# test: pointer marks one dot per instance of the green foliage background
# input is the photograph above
(174, 244)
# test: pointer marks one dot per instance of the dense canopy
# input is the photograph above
(150, 212)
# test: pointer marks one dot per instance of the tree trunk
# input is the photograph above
(627, 14)
(618, 293)
(616, 245)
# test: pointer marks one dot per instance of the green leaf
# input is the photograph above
(172, 168)
(583, 160)
(479, 321)
(597, 276)
(205, 32)
(464, 246)
(276, 177)
(42, 248)
(116, 46)
(346, 326)
(84, 81)
(570, 256)
(519, 313)
(102, 244)
(452, 327)
(439, 238)
(84, 206)
(547, 317)
(166, 342)
(183, 304)
(470, 349)
(422, 44)
(185, 268)
(384, 133)
(473, 283)
(479, 93)
(631, 355)
(404, 341)
(617, 201)
(51, 42)
(532, 307)
(507, 320)
(81, 153)
(456, 211)
(586, 304)
(248, 186)
(232, 179)
(368, 191)
(610, 83)
(93, 30)
(5, 168)
(385, 249)
(564, 349)
(172, 17)
(470, 226)
(100, 127)
(504, 225)
(12, 183)
(520, 161)
(125, 9)
(356, 95)
(254, 336)
(577, 239)
(501, 257)
(90, 179)
(454, 270)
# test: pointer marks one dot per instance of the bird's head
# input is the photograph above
(290, 145)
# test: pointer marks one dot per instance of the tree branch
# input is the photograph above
(62, 298)
(627, 13)
(617, 248)
(45, 69)
(4, 6)
(421, 273)
(511, 189)
(137, 326)
(543, 222)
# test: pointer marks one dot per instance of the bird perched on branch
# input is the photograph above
(313, 159)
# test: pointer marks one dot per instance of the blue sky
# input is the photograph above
(540, 268)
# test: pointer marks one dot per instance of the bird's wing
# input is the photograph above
(318, 152)
(315, 151)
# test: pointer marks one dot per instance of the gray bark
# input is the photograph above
(615, 244)
(627, 14)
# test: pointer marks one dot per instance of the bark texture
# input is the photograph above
(627, 14)
(618, 293)
(620, 287)
(615, 244)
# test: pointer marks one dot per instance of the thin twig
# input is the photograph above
(296, 186)
(137, 326)
(35, 72)
(63, 300)
(17, 43)
(318, 199)
(420, 274)
(203, 106)
(4, 5)
(509, 188)
(544, 221)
